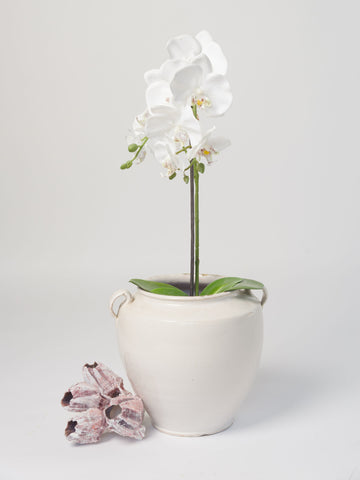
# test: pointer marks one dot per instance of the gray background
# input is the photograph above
(280, 206)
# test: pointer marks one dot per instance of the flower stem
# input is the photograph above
(184, 149)
(191, 164)
(196, 213)
(144, 140)
(192, 231)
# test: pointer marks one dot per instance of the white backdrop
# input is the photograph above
(281, 206)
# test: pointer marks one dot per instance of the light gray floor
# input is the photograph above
(301, 420)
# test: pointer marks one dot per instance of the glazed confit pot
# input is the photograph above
(191, 359)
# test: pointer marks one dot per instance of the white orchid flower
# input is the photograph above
(188, 48)
(138, 140)
(137, 137)
(162, 119)
(184, 47)
(139, 123)
(194, 75)
(208, 92)
(164, 152)
(208, 147)
(191, 82)
(166, 72)
(213, 51)
(192, 85)
(177, 124)
(175, 128)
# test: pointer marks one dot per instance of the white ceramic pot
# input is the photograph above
(191, 359)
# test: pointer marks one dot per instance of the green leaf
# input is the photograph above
(157, 287)
(246, 284)
(228, 284)
(173, 175)
(169, 290)
(201, 168)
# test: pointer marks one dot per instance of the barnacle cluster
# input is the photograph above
(101, 404)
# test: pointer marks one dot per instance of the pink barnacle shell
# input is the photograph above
(125, 416)
(105, 379)
(82, 396)
(86, 427)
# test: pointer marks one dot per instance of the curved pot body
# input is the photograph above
(191, 359)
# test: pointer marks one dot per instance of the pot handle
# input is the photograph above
(264, 295)
(120, 293)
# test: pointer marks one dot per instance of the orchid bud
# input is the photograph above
(186, 179)
(172, 176)
(133, 147)
(126, 165)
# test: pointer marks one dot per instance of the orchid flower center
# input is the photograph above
(200, 101)
(181, 137)
(170, 166)
(207, 152)
(142, 118)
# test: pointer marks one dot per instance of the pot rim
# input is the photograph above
(168, 278)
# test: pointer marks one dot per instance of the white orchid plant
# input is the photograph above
(182, 96)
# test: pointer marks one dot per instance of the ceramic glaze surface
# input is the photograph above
(191, 359)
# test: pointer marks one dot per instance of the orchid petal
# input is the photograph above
(166, 110)
(139, 125)
(183, 46)
(217, 88)
(163, 118)
(213, 51)
(152, 76)
(202, 142)
(219, 143)
(203, 62)
(191, 125)
(160, 151)
(170, 67)
(164, 153)
(217, 58)
(185, 82)
(158, 125)
(158, 93)
(204, 38)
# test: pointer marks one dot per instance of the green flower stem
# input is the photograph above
(139, 148)
(191, 164)
(196, 208)
(145, 139)
(184, 149)
(192, 233)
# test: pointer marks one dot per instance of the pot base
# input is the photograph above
(190, 434)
